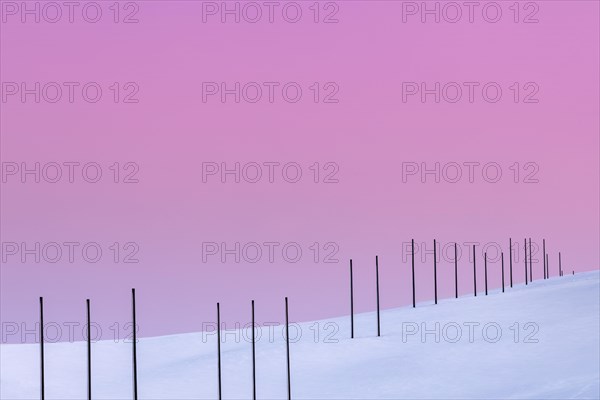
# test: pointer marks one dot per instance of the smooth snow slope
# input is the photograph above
(564, 363)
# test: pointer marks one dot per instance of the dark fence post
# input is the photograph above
(219, 349)
(42, 384)
(485, 271)
(559, 265)
(434, 271)
(474, 273)
(253, 356)
(377, 279)
(545, 263)
(351, 304)
(455, 271)
(413, 271)
(287, 343)
(525, 248)
(530, 262)
(89, 351)
(135, 383)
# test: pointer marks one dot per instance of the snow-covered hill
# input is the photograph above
(548, 348)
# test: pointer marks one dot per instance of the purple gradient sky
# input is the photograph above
(369, 133)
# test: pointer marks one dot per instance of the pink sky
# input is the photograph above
(369, 133)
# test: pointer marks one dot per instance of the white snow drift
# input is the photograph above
(539, 341)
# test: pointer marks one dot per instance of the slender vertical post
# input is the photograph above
(485, 271)
(434, 271)
(287, 343)
(510, 258)
(253, 356)
(351, 304)
(455, 271)
(219, 349)
(502, 258)
(525, 248)
(559, 265)
(530, 262)
(377, 279)
(135, 383)
(89, 351)
(474, 273)
(42, 384)
(413, 271)
(544, 254)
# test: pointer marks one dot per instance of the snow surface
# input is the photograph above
(564, 363)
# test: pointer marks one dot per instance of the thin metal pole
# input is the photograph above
(135, 382)
(219, 348)
(287, 342)
(435, 271)
(42, 384)
(351, 304)
(559, 265)
(89, 351)
(413, 272)
(530, 262)
(545, 264)
(253, 356)
(474, 273)
(455, 271)
(525, 248)
(377, 279)
(485, 272)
